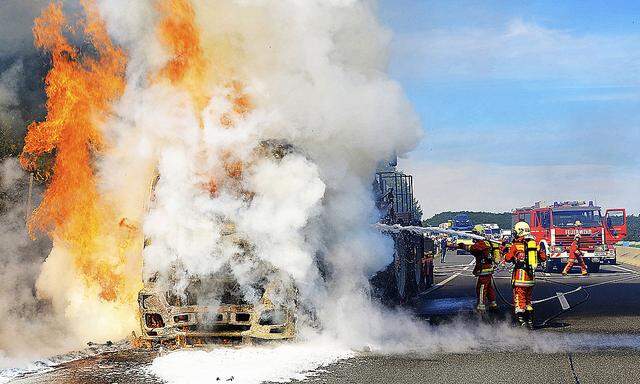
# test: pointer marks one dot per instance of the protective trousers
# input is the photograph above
(522, 299)
(486, 294)
(572, 260)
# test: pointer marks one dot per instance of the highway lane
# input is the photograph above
(603, 319)
(612, 297)
(601, 326)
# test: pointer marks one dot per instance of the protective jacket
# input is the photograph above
(574, 251)
(575, 255)
(483, 252)
(524, 254)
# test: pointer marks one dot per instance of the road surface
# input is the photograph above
(607, 314)
(601, 310)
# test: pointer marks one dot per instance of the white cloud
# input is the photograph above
(517, 50)
(499, 188)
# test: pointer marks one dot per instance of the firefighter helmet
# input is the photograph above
(521, 229)
(478, 229)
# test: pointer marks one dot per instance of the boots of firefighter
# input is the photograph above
(520, 320)
(481, 307)
(529, 317)
(493, 306)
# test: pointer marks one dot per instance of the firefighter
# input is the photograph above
(575, 254)
(483, 251)
(524, 253)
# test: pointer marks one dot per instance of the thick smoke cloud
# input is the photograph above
(29, 327)
(314, 73)
(310, 77)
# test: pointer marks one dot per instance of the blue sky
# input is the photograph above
(545, 88)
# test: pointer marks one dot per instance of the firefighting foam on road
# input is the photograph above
(207, 169)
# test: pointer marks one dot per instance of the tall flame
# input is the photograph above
(81, 86)
(189, 70)
(179, 33)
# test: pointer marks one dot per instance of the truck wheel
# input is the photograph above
(405, 280)
(593, 267)
(403, 271)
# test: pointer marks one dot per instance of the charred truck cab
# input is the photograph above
(165, 317)
(412, 269)
(555, 226)
(169, 317)
(216, 307)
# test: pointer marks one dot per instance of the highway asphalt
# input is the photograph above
(599, 323)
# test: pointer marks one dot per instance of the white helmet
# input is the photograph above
(521, 229)
(577, 236)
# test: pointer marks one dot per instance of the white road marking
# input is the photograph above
(563, 301)
(624, 269)
(635, 275)
(448, 279)
(555, 297)
(452, 266)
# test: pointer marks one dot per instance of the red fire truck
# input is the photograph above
(555, 226)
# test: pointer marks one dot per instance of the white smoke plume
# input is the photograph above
(314, 73)
(28, 325)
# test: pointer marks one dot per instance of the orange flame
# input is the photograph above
(187, 67)
(81, 86)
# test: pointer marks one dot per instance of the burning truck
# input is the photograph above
(167, 315)
(192, 310)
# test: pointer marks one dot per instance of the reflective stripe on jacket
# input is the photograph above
(523, 278)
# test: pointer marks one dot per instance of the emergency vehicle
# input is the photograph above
(462, 223)
(492, 231)
(555, 226)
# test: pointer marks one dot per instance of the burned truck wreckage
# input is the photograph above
(185, 309)
(216, 308)
(411, 271)
(193, 309)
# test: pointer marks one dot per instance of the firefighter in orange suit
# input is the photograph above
(483, 251)
(525, 254)
(575, 254)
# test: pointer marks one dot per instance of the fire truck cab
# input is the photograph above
(555, 226)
